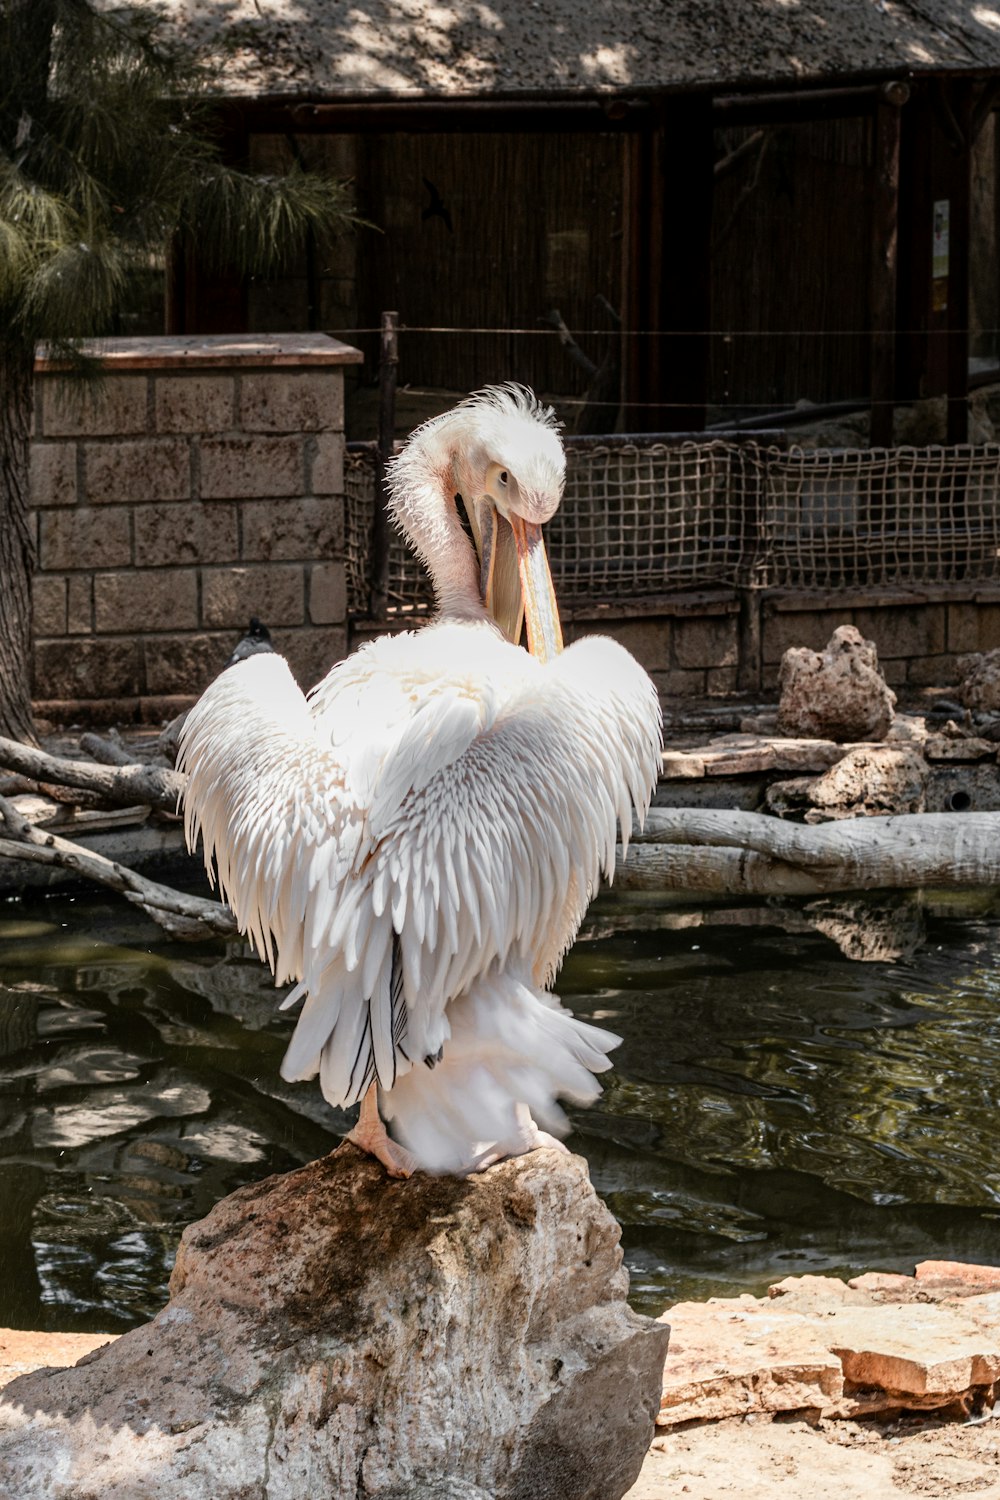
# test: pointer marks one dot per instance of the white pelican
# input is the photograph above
(417, 841)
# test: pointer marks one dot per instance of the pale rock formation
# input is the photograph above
(869, 781)
(980, 685)
(835, 694)
(332, 1332)
(882, 1343)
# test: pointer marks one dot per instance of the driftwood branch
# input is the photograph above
(190, 917)
(738, 853)
(120, 786)
(108, 750)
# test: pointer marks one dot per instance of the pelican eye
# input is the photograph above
(503, 476)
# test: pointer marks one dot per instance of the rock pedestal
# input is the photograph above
(332, 1332)
(838, 693)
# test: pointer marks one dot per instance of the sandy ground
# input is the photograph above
(758, 1460)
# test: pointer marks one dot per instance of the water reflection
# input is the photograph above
(776, 1105)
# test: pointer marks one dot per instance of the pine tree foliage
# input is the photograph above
(106, 152)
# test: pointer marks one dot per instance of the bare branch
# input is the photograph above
(189, 917)
(121, 786)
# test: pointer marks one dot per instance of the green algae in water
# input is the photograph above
(775, 1107)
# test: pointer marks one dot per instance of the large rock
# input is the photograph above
(980, 686)
(835, 694)
(334, 1333)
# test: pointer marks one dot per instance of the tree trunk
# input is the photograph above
(702, 850)
(17, 544)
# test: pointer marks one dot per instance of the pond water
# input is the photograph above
(776, 1106)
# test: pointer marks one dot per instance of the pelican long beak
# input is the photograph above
(541, 611)
(515, 580)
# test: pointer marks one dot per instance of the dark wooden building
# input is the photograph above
(735, 207)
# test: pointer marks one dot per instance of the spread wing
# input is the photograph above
(415, 826)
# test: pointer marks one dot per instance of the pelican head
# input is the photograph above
(499, 453)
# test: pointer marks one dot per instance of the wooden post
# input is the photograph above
(958, 269)
(381, 525)
(687, 189)
(667, 268)
(885, 249)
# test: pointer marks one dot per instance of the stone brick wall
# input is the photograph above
(200, 483)
(696, 646)
(689, 645)
(919, 634)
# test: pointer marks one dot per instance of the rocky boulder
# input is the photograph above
(980, 687)
(869, 781)
(835, 694)
(332, 1332)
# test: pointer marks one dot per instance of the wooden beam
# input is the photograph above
(791, 106)
(960, 99)
(883, 273)
(466, 116)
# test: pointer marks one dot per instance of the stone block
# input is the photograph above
(916, 630)
(53, 474)
(720, 681)
(166, 599)
(328, 593)
(48, 606)
(311, 653)
(233, 468)
(706, 643)
(81, 538)
(811, 628)
(325, 456)
(185, 663)
(276, 594)
(933, 671)
(87, 669)
(116, 406)
(963, 627)
(283, 400)
(973, 627)
(894, 672)
(648, 640)
(166, 535)
(279, 530)
(194, 403)
(123, 473)
(80, 611)
(679, 684)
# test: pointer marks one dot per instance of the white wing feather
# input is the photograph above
(439, 812)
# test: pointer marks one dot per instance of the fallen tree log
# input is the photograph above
(120, 785)
(740, 853)
(190, 917)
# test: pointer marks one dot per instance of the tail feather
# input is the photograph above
(510, 1044)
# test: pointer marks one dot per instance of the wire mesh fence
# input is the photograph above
(640, 520)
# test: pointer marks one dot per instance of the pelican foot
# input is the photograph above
(527, 1138)
(371, 1135)
(398, 1162)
